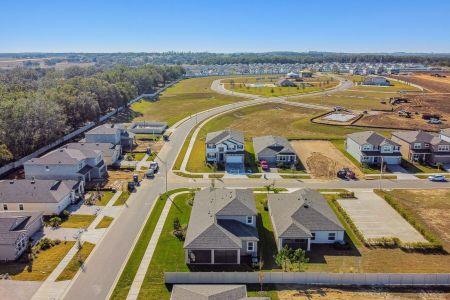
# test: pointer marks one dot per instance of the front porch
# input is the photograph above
(213, 256)
(294, 244)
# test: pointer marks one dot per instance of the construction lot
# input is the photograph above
(322, 159)
(375, 218)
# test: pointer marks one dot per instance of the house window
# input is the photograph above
(427, 145)
(249, 220)
(47, 168)
(386, 148)
(240, 146)
(443, 147)
(417, 146)
(20, 206)
(313, 238)
(250, 246)
(221, 149)
(366, 147)
(331, 236)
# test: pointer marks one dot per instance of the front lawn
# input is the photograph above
(76, 262)
(78, 221)
(105, 197)
(122, 198)
(42, 265)
(105, 222)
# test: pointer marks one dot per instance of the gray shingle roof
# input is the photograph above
(15, 223)
(419, 137)
(64, 156)
(445, 131)
(208, 292)
(104, 129)
(297, 214)
(271, 145)
(41, 191)
(106, 148)
(220, 136)
(205, 232)
(370, 137)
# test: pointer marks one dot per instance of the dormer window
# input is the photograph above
(249, 220)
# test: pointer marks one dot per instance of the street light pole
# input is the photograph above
(381, 171)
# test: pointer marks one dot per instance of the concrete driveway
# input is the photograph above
(402, 173)
(375, 218)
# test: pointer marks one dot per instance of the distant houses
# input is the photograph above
(16, 230)
(369, 147)
(302, 218)
(47, 196)
(222, 227)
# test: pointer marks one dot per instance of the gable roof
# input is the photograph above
(370, 137)
(15, 223)
(419, 136)
(208, 292)
(221, 136)
(35, 191)
(271, 145)
(104, 129)
(106, 148)
(445, 131)
(64, 156)
(206, 232)
(296, 214)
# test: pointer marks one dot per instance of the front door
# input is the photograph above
(220, 156)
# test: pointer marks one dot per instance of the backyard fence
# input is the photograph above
(380, 279)
(19, 163)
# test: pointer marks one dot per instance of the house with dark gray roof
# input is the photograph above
(283, 82)
(274, 149)
(302, 218)
(116, 134)
(222, 227)
(67, 164)
(111, 152)
(211, 292)
(422, 146)
(369, 147)
(47, 196)
(16, 229)
(226, 147)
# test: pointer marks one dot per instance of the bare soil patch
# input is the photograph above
(142, 145)
(430, 83)
(119, 179)
(322, 159)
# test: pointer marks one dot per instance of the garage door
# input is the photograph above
(392, 160)
(225, 256)
(235, 159)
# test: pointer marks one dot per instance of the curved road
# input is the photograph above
(104, 265)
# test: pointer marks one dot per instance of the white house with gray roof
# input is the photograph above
(47, 196)
(115, 134)
(225, 147)
(274, 150)
(222, 227)
(369, 147)
(302, 218)
(16, 229)
(67, 164)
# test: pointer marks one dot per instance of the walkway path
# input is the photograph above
(147, 258)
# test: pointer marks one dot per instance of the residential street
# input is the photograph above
(104, 265)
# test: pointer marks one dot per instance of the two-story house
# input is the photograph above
(111, 152)
(421, 146)
(302, 218)
(225, 147)
(115, 134)
(67, 164)
(369, 147)
(222, 227)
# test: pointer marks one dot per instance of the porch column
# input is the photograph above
(212, 256)
(309, 245)
(239, 256)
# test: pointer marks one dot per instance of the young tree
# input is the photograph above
(283, 257)
(299, 258)
(55, 221)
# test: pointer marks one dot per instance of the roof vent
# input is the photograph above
(60, 150)
(11, 181)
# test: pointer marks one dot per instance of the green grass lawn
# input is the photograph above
(138, 156)
(78, 221)
(104, 222)
(414, 167)
(122, 198)
(75, 263)
(126, 278)
(182, 100)
(41, 267)
(277, 91)
(105, 198)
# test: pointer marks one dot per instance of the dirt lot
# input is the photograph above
(430, 83)
(322, 159)
(142, 146)
(355, 293)
(119, 179)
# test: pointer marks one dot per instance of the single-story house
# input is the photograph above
(67, 164)
(16, 229)
(211, 292)
(302, 218)
(222, 227)
(286, 83)
(47, 196)
(369, 147)
(111, 152)
(274, 150)
(377, 80)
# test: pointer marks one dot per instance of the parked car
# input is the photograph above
(346, 173)
(264, 165)
(154, 166)
(150, 173)
(131, 186)
(434, 121)
(437, 177)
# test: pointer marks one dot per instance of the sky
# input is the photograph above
(224, 26)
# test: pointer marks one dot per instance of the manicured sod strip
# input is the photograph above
(75, 263)
(127, 276)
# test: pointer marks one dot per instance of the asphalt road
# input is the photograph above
(104, 264)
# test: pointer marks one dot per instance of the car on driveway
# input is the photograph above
(440, 178)
(154, 166)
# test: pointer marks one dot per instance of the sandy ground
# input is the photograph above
(142, 145)
(119, 179)
(321, 159)
(354, 293)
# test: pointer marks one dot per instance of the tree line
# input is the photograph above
(38, 106)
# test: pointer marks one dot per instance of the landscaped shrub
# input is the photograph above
(176, 224)
(55, 221)
(45, 243)
(180, 233)
(346, 195)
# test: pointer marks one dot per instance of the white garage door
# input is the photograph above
(392, 160)
(235, 159)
